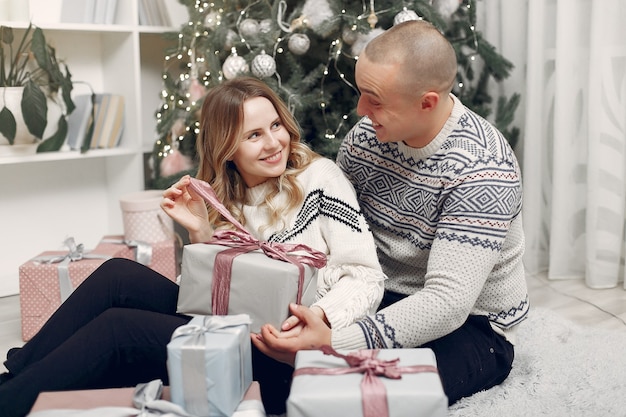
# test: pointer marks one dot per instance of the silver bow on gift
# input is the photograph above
(146, 399)
(142, 250)
(75, 253)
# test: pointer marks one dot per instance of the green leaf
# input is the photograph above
(54, 142)
(8, 125)
(66, 91)
(34, 109)
(38, 47)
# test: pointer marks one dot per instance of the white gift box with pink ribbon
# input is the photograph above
(258, 285)
(235, 273)
(367, 383)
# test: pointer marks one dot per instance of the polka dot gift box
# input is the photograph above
(49, 278)
(144, 219)
(160, 256)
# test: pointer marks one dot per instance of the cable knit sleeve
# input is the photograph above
(351, 285)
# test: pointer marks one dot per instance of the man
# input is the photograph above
(441, 190)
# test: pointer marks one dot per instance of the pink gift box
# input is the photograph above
(40, 284)
(250, 406)
(162, 258)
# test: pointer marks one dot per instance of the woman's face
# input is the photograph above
(264, 145)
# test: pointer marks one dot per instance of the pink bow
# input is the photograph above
(373, 392)
(241, 241)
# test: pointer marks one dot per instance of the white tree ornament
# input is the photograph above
(263, 65)
(404, 16)
(234, 65)
(299, 43)
(249, 28)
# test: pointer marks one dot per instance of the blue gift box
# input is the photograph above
(209, 362)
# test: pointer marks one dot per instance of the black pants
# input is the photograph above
(472, 358)
(112, 332)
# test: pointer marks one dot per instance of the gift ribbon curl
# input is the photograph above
(373, 391)
(241, 241)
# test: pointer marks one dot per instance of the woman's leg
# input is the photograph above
(116, 283)
(472, 358)
(120, 347)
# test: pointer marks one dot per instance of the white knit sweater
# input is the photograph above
(448, 227)
(329, 220)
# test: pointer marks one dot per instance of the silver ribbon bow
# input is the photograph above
(75, 253)
(143, 250)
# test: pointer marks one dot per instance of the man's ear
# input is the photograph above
(430, 100)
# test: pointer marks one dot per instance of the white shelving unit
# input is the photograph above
(45, 198)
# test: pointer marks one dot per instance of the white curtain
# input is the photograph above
(571, 56)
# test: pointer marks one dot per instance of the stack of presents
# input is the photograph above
(209, 359)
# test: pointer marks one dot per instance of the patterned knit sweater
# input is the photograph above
(447, 223)
(329, 220)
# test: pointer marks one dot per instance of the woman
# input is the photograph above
(113, 330)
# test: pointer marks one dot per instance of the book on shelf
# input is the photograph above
(153, 13)
(89, 11)
(113, 125)
(100, 104)
(109, 121)
(79, 120)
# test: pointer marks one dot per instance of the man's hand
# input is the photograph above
(314, 334)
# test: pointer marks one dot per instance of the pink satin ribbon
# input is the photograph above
(373, 391)
(241, 241)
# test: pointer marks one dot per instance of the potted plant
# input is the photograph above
(32, 79)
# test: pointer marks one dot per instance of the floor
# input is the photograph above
(571, 299)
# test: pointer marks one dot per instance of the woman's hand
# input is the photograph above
(292, 326)
(313, 334)
(187, 209)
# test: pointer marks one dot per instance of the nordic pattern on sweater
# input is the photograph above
(329, 220)
(317, 203)
(447, 223)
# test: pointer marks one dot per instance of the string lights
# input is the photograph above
(223, 39)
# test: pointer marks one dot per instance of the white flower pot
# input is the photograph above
(11, 97)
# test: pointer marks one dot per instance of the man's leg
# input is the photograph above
(473, 358)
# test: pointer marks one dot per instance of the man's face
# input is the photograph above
(392, 110)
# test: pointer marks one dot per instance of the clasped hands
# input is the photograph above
(305, 329)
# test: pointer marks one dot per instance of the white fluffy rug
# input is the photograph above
(560, 369)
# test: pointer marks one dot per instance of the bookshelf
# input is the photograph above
(48, 197)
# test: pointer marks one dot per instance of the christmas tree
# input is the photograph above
(306, 51)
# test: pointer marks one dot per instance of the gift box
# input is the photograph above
(398, 382)
(48, 279)
(159, 256)
(209, 364)
(250, 406)
(260, 286)
(143, 218)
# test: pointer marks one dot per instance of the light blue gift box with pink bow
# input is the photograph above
(367, 383)
(209, 363)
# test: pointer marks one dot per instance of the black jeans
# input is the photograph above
(112, 331)
(472, 358)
